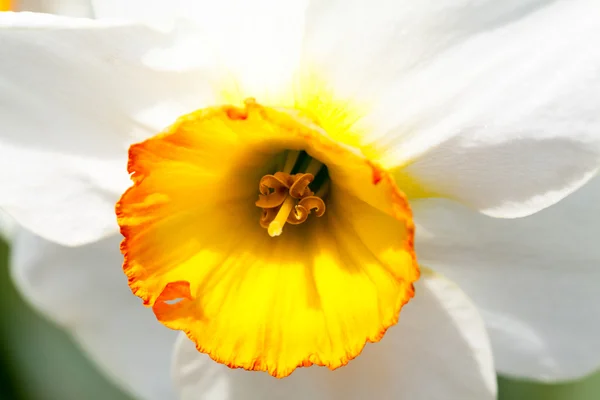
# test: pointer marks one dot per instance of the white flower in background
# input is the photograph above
(473, 109)
(7, 226)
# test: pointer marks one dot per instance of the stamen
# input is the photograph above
(290, 161)
(323, 190)
(314, 167)
(311, 203)
(287, 198)
(300, 188)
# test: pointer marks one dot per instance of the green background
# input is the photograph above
(40, 362)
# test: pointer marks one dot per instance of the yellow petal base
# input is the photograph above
(196, 253)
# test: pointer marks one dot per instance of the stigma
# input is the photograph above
(288, 198)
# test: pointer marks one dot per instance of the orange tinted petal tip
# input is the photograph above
(377, 174)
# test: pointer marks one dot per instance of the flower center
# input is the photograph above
(286, 197)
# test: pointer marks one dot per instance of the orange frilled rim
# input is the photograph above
(195, 252)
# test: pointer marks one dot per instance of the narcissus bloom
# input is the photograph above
(281, 154)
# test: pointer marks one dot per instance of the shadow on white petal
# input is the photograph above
(530, 342)
(535, 279)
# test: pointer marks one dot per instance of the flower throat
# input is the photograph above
(290, 195)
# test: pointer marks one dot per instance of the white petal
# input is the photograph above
(148, 10)
(490, 103)
(362, 47)
(535, 280)
(258, 41)
(72, 8)
(75, 93)
(84, 290)
(438, 350)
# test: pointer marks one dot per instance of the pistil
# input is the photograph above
(276, 226)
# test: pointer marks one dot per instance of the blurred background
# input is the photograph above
(40, 362)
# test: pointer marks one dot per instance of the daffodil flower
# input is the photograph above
(278, 152)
